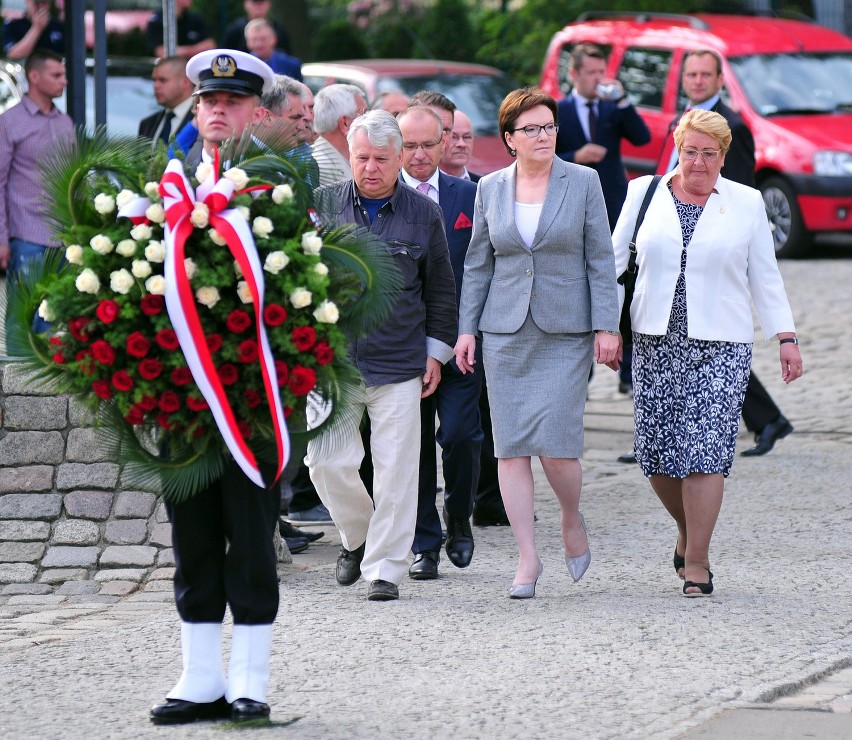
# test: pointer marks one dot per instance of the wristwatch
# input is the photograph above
(789, 340)
(611, 333)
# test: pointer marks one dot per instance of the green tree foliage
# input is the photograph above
(449, 31)
(339, 40)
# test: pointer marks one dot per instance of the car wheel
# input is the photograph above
(785, 219)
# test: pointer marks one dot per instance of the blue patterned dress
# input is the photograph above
(688, 393)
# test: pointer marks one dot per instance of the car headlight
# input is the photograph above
(833, 164)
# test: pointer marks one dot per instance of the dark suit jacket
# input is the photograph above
(614, 124)
(456, 198)
(148, 126)
(739, 161)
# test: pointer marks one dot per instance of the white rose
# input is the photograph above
(141, 268)
(280, 193)
(141, 232)
(190, 267)
(275, 262)
(74, 254)
(207, 296)
(216, 237)
(126, 247)
(262, 227)
(311, 243)
(156, 285)
(45, 312)
(155, 252)
(238, 271)
(125, 197)
(200, 216)
(244, 292)
(104, 203)
(301, 298)
(87, 282)
(244, 210)
(203, 171)
(237, 176)
(327, 313)
(155, 213)
(321, 268)
(152, 189)
(121, 281)
(101, 244)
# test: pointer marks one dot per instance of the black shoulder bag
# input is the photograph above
(628, 277)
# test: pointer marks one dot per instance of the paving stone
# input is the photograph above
(118, 588)
(93, 599)
(32, 448)
(162, 574)
(21, 552)
(79, 415)
(30, 505)
(128, 555)
(79, 475)
(126, 531)
(17, 572)
(44, 413)
(120, 574)
(162, 535)
(72, 588)
(64, 556)
(47, 600)
(166, 557)
(88, 504)
(152, 586)
(160, 515)
(21, 530)
(27, 588)
(60, 575)
(26, 478)
(134, 505)
(76, 532)
(85, 446)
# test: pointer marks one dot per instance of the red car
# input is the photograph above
(791, 81)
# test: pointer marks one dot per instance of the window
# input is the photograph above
(643, 73)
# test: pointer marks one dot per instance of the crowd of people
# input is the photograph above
(509, 299)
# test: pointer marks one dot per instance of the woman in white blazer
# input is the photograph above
(705, 253)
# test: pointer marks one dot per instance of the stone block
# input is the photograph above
(120, 574)
(134, 505)
(18, 530)
(43, 413)
(162, 574)
(21, 552)
(35, 589)
(161, 515)
(76, 532)
(162, 535)
(31, 448)
(72, 588)
(118, 555)
(127, 532)
(17, 572)
(60, 575)
(79, 415)
(93, 599)
(27, 478)
(18, 381)
(166, 558)
(152, 586)
(30, 506)
(129, 481)
(84, 446)
(36, 600)
(80, 475)
(88, 504)
(118, 588)
(61, 556)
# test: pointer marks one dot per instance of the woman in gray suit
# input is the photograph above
(539, 285)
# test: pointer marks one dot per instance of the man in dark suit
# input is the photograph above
(456, 399)
(173, 91)
(591, 127)
(455, 158)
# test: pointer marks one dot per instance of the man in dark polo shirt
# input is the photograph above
(192, 35)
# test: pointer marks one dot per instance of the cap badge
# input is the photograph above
(224, 66)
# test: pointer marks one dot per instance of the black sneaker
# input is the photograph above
(349, 565)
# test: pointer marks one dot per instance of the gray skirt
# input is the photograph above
(537, 385)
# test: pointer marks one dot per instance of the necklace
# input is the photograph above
(695, 199)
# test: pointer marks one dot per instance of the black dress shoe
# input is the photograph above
(244, 710)
(349, 565)
(490, 518)
(768, 436)
(382, 591)
(425, 566)
(296, 544)
(459, 545)
(629, 458)
(178, 711)
(288, 531)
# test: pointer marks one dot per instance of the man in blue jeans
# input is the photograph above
(29, 131)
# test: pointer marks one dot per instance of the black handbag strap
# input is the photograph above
(631, 264)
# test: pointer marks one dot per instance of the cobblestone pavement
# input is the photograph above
(621, 654)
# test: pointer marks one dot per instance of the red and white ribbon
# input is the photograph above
(179, 199)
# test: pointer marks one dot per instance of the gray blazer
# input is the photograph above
(566, 280)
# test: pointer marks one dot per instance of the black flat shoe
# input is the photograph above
(425, 566)
(704, 589)
(459, 545)
(348, 569)
(245, 710)
(768, 436)
(179, 712)
(380, 590)
(288, 531)
(679, 562)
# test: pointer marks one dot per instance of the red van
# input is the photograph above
(791, 81)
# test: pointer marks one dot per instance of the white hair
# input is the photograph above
(332, 102)
(381, 128)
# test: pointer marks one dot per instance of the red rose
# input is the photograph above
(282, 372)
(121, 381)
(274, 315)
(323, 353)
(169, 402)
(107, 311)
(135, 416)
(147, 403)
(304, 337)
(102, 389)
(163, 421)
(287, 411)
(77, 326)
(238, 321)
(196, 404)
(198, 432)
(152, 304)
(214, 342)
(137, 345)
(149, 368)
(245, 428)
(228, 373)
(59, 358)
(87, 363)
(181, 376)
(253, 398)
(302, 380)
(103, 352)
(55, 341)
(247, 350)
(167, 339)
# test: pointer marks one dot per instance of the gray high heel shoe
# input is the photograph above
(526, 590)
(578, 566)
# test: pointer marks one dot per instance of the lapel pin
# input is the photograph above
(722, 209)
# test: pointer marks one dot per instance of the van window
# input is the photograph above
(643, 73)
(563, 64)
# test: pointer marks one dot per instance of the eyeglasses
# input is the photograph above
(426, 147)
(708, 155)
(533, 130)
